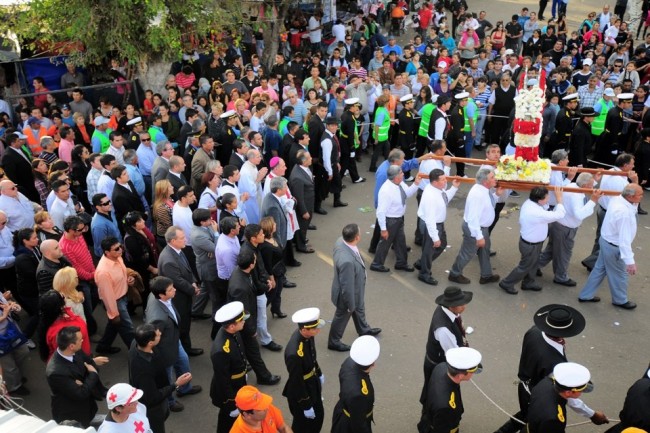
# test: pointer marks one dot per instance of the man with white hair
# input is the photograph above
(250, 181)
(17, 207)
(7, 258)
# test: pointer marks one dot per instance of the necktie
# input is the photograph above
(459, 322)
(338, 146)
(184, 260)
(402, 194)
(493, 199)
(445, 198)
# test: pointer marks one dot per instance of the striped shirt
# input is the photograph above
(79, 255)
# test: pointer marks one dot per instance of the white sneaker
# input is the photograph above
(30, 344)
(409, 179)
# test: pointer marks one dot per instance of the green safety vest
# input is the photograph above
(467, 128)
(282, 125)
(103, 139)
(427, 111)
(598, 125)
(382, 133)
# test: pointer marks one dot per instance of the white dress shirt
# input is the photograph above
(440, 126)
(326, 148)
(506, 192)
(558, 178)
(106, 184)
(429, 164)
(390, 201)
(19, 210)
(444, 336)
(619, 226)
(576, 208)
(613, 183)
(534, 220)
(117, 153)
(182, 217)
(479, 209)
(433, 209)
(60, 210)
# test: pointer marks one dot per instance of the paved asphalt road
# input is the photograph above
(611, 346)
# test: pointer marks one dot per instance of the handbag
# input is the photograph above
(12, 338)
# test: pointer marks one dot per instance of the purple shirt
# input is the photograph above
(226, 252)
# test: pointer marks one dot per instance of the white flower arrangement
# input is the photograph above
(519, 170)
(529, 104)
(525, 140)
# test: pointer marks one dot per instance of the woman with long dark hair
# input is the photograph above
(40, 169)
(140, 250)
(79, 172)
(227, 205)
(27, 258)
(55, 316)
(272, 255)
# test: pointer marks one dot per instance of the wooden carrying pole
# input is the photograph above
(524, 186)
(477, 161)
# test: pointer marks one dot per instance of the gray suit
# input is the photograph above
(348, 292)
(271, 206)
(159, 171)
(203, 244)
(302, 189)
(171, 265)
(168, 347)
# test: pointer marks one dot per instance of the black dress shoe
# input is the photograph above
(372, 250)
(271, 380)
(568, 283)
(594, 299)
(532, 288)
(201, 316)
(22, 390)
(289, 284)
(177, 406)
(641, 211)
(294, 264)
(194, 351)
(417, 265)
(583, 263)
(491, 279)
(372, 331)
(273, 346)
(629, 305)
(311, 227)
(539, 272)
(103, 350)
(195, 389)
(340, 204)
(305, 250)
(279, 314)
(493, 253)
(406, 268)
(460, 279)
(320, 211)
(428, 280)
(339, 347)
(379, 268)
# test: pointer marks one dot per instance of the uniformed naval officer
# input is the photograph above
(407, 124)
(444, 404)
(228, 363)
(547, 409)
(136, 126)
(353, 411)
(304, 386)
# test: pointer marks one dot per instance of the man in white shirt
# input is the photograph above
(62, 207)
(560, 158)
(534, 220)
(432, 214)
(106, 183)
(182, 218)
(20, 211)
(624, 162)
(315, 30)
(116, 147)
(616, 258)
(479, 215)
(391, 208)
(562, 233)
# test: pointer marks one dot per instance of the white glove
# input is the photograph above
(309, 413)
(234, 413)
(353, 154)
(322, 379)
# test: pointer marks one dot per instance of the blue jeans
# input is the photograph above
(610, 265)
(480, 124)
(125, 328)
(181, 366)
(469, 143)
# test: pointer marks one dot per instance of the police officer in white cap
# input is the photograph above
(564, 124)
(228, 363)
(227, 136)
(353, 411)
(444, 406)
(611, 142)
(456, 136)
(135, 127)
(349, 139)
(406, 129)
(547, 409)
(304, 386)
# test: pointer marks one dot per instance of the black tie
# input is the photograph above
(184, 260)
(402, 194)
(445, 198)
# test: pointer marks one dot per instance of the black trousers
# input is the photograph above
(512, 426)
(381, 148)
(183, 303)
(221, 295)
(254, 357)
(301, 423)
(542, 7)
(224, 421)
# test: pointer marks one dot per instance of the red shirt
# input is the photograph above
(79, 255)
(67, 319)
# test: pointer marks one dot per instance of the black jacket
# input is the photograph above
(46, 271)
(242, 289)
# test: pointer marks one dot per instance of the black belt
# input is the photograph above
(614, 245)
(395, 218)
(530, 243)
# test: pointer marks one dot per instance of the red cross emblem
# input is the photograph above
(139, 426)
(112, 397)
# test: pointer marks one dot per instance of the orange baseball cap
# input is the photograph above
(250, 398)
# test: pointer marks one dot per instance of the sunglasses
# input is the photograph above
(117, 248)
(105, 204)
(145, 139)
(81, 229)
(2, 223)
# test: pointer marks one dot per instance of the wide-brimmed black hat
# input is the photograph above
(559, 320)
(588, 112)
(454, 297)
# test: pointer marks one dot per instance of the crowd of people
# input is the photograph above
(203, 196)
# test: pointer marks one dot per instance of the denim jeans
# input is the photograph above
(181, 366)
(125, 328)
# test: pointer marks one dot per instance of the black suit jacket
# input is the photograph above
(291, 158)
(241, 288)
(19, 170)
(236, 161)
(167, 349)
(69, 400)
(176, 182)
(125, 201)
(316, 131)
(171, 265)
